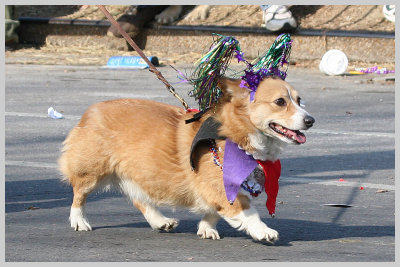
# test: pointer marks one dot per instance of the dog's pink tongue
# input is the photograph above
(300, 137)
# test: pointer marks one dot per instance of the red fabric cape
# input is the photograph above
(272, 172)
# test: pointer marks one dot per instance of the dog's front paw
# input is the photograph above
(168, 225)
(208, 232)
(271, 235)
(263, 232)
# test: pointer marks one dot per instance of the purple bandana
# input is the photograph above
(237, 166)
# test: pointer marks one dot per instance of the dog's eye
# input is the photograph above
(299, 101)
(280, 102)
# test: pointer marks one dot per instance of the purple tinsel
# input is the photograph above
(375, 69)
(239, 56)
(251, 79)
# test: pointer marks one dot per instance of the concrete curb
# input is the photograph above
(185, 40)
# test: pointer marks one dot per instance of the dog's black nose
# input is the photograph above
(309, 121)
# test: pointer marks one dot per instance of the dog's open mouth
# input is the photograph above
(294, 135)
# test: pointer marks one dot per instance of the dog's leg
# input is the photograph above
(77, 215)
(169, 15)
(207, 226)
(249, 221)
(154, 217)
(200, 12)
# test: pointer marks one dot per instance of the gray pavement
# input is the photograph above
(353, 139)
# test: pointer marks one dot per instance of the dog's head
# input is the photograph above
(275, 110)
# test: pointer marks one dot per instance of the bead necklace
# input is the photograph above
(253, 188)
(213, 150)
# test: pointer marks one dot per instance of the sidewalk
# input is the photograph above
(185, 43)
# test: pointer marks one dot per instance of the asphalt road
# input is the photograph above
(349, 158)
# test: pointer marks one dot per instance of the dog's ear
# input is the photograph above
(231, 88)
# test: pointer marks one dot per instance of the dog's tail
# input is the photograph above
(63, 165)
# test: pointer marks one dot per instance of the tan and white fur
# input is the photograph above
(142, 148)
(172, 13)
(169, 15)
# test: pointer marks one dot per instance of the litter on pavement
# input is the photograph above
(54, 114)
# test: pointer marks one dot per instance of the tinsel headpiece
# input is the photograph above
(272, 62)
(213, 65)
(210, 68)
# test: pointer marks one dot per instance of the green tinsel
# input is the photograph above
(210, 68)
(277, 55)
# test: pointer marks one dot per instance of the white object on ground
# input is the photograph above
(334, 62)
(54, 114)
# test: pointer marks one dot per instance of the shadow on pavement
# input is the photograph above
(289, 230)
(367, 161)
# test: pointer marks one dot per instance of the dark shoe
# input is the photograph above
(134, 19)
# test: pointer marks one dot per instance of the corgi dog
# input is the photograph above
(143, 148)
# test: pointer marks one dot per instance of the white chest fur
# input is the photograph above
(265, 147)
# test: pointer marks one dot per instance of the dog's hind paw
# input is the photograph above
(81, 225)
(78, 220)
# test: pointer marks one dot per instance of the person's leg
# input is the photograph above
(134, 19)
(10, 26)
